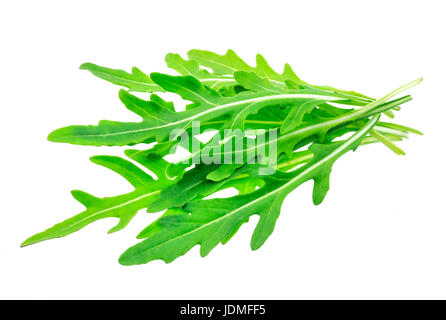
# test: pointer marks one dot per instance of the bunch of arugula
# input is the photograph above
(316, 124)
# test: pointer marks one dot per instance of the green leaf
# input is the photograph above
(264, 70)
(264, 168)
(225, 64)
(192, 68)
(209, 222)
(186, 68)
(400, 127)
(159, 123)
(124, 207)
(201, 189)
(135, 81)
(287, 143)
(192, 185)
(297, 113)
(253, 82)
(230, 63)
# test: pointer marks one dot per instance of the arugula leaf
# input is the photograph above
(287, 143)
(159, 123)
(135, 81)
(192, 68)
(230, 63)
(297, 113)
(209, 222)
(312, 122)
(146, 190)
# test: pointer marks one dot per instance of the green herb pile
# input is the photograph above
(315, 126)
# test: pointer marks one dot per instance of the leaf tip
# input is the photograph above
(127, 258)
(255, 245)
(124, 261)
(230, 52)
(168, 58)
(317, 201)
(56, 136)
(97, 159)
(24, 244)
(260, 57)
(123, 94)
(86, 66)
(31, 240)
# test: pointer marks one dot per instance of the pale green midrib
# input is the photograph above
(382, 129)
(183, 67)
(217, 78)
(158, 191)
(107, 75)
(225, 79)
(343, 92)
(315, 128)
(338, 152)
(312, 129)
(275, 81)
(308, 156)
(300, 159)
(149, 84)
(196, 95)
(246, 121)
(235, 69)
(187, 71)
(216, 81)
(205, 112)
(296, 179)
(337, 121)
(214, 62)
(391, 94)
(377, 126)
(78, 222)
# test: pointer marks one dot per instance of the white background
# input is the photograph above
(381, 231)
